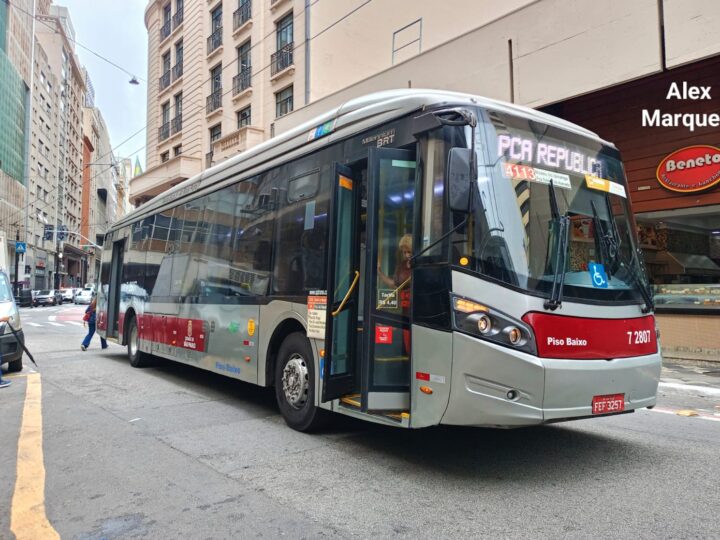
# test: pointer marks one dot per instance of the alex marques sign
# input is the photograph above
(690, 169)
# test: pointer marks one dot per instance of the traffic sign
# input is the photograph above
(20, 247)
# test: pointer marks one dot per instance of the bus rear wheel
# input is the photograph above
(295, 384)
(137, 358)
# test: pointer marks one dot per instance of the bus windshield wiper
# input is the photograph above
(605, 244)
(561, 226)
(635, 266)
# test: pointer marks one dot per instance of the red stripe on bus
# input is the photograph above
(559, 336)
(173, 331)
(422, 376)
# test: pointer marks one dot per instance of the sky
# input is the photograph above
(115, 29)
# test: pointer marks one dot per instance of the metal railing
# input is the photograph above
(282, 59)
(176, 124)
(164, 80)
(165, 29)
(242, 80)
(178, 19)
(215, 40)
(214, 101)
(164, 131)
(242, 14)
(177, 71)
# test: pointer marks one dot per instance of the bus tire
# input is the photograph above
(137, 358)
(295, 384)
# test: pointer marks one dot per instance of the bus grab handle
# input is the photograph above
(347, 296)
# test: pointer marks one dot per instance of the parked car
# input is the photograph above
(85, 296)
(67, 294)
(10, 350)
(47, 297)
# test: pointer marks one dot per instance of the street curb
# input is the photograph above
(691, 361)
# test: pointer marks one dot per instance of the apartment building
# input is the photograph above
(62, 252)
(221, 73)
(15, 68)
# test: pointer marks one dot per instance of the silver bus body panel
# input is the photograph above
(436, 361)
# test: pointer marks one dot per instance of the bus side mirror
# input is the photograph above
(458, 174)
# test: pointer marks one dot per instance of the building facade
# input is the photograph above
(220, 75)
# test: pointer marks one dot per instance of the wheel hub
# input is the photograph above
(295, 381)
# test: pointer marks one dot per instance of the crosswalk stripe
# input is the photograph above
(75, 323)
(55, 323)
(33, 324)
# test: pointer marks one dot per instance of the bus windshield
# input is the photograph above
(532, 174)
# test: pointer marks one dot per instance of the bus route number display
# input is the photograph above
(317, 315)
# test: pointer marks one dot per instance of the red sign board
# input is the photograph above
(559, 336)
(690, 169)
(383, 334)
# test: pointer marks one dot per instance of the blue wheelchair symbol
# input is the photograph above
(598, 276)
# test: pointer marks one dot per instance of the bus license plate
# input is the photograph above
(608, 404)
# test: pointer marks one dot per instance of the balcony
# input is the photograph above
(275, 4)
(214, 41)
(236, 142)
(164, 80)
(177, 71)
(242, 14)
(242, 81)
(281, 60)
(176, 124)
(177, 19)
(164, 132)
(214, 101)
(165, 29)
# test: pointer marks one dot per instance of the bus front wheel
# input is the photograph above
(295, 384)
(135, 355)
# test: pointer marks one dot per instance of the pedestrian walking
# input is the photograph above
(4, 383)
(89, 319)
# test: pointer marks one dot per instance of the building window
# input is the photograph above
(284, 31)
(284, 102)
(165, 156)
(243, 117)
(215, 39)
(177, 150)
(215, 133)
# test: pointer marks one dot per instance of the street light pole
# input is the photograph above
(17, 258)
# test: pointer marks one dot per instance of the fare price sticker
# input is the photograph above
(601, 184)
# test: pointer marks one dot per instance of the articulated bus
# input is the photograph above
(412, 258)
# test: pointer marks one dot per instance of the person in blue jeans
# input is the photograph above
(90, 311)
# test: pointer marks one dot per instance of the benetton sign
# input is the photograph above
(690, 169)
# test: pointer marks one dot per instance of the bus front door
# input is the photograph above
(387, 303)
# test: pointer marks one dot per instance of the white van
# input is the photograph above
(10, 350)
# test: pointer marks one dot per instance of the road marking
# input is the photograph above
(674, 412)
(55, 323)
(33, 324)
(707, 390)
(76, 323)
(51, 318)
(27, 514)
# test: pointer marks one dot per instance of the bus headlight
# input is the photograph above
(485, 322)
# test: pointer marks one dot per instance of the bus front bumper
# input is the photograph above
(502, 387)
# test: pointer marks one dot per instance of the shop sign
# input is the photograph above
(690, 169)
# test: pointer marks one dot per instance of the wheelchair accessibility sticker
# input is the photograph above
(598, 276)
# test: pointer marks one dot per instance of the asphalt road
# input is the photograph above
(173, 452)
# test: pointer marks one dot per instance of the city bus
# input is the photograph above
(411, 258)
